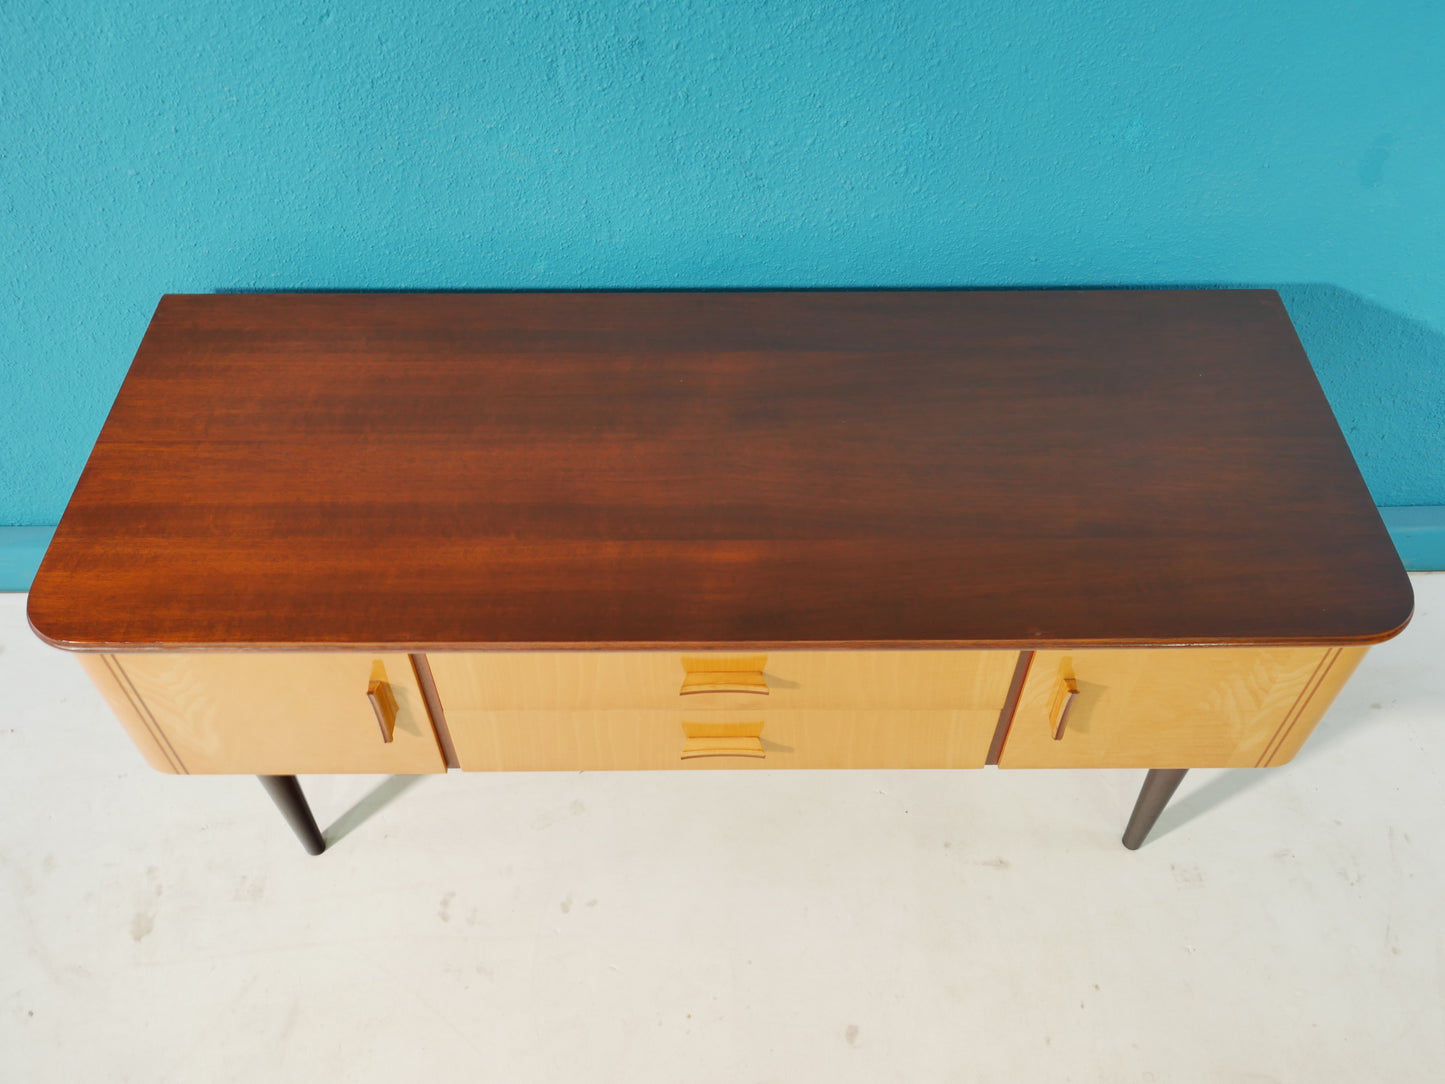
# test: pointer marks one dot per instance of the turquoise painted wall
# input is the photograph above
(165, 146)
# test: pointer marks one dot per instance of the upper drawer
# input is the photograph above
(701, 681)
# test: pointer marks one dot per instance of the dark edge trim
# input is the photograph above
(131, 693)
(1010, 705)
(738, 647)
(422, 669)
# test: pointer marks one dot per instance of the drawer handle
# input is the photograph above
(740, 675)
(1064, 697)
(722, 740)
(384, 704)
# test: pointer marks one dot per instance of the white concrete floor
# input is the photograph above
(1282, 925)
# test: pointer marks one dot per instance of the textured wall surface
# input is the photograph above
(163, 146)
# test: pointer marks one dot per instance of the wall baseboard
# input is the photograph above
(1418, 533)
(20, 551)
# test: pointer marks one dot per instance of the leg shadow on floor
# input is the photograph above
(1213, 793)
(377, 799)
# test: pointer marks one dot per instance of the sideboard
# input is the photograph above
(409, 532)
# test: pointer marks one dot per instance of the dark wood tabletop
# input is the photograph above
(763, 469)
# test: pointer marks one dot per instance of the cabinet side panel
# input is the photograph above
(1314, 701)
(132, 713)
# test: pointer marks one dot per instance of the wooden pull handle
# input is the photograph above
(1064, 697)
(384, 704)
(723, 740)
(740, 675)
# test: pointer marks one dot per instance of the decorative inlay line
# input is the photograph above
(127, 687)
(1281, 734)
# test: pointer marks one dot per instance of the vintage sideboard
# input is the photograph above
(409, 532)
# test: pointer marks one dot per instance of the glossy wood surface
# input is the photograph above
(135, 718)
(270, 714)
(1175, 708)
(631, 740)
(732, 470)
(606, 680)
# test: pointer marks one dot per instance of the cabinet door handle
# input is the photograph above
(1064, 697)
(723, 740)
(384, 704)
(741, 675)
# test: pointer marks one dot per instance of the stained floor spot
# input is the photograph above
(141, 924)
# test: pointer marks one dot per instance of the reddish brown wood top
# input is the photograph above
(645, 469)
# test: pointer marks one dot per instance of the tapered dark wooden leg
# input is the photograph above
(1159, 786)
(286, 793)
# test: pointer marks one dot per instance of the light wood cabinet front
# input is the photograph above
(559, 711)
(1172, 707)
(270, 714)
(288, 713)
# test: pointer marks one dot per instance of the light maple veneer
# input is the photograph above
(267, 714)
(590, 680)
(273, 713)
(628, 740)
(1175, 707)
(631, 710)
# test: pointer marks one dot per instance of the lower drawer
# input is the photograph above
(627, 739)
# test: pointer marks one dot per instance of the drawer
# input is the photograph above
(627, 739)
(270, 714)
(1172, 707)
(702, 681)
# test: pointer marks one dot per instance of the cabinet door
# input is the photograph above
(259, 713)
(1172, 707)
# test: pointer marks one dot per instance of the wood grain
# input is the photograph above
(604, 680)
(746, 471)
(1314, 700)
(275, 714)
(1173, 708)
(629, 740)
(140, 726)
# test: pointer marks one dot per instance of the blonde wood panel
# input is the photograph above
(1312, 706)
(278, 714)
(133, 715)
(1172, 707)
(625, 739)
(591, 681)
